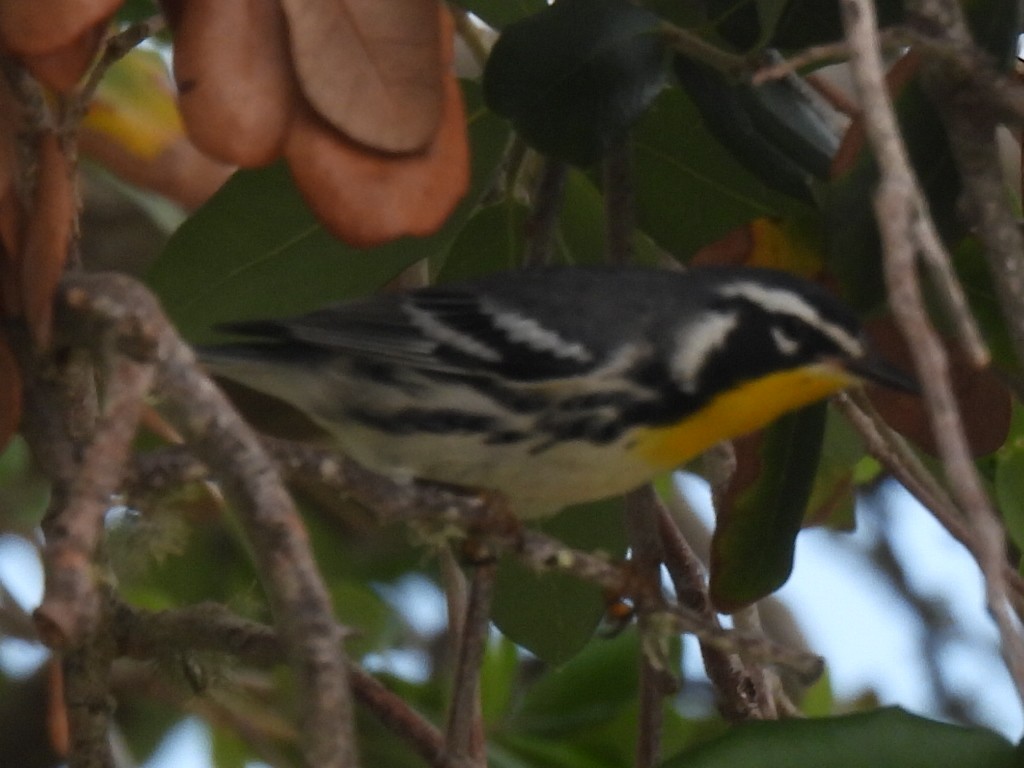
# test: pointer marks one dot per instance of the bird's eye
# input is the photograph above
(789, 334)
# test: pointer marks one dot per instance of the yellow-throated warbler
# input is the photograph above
(557, 385)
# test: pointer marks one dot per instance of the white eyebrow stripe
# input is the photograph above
(438, 332)
(532, 335)
(781, 301)
(695, 343)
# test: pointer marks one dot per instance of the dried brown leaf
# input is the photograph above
(367, 198)
(47, 232)
(33, 27)
(62, 68)
(984, 401)
(373, 69)
(237, 92)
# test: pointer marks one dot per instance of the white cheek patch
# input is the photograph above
(437, 331)
(696, 342)
(534, 336)
(782, 302)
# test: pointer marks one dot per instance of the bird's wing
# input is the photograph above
(458, 331)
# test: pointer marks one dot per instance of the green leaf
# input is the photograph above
(877, 739)
(575, 76)
(499, 679)
(752, 547)
(492, 240)
(745, 24)
(831, 501)
(690, 190)
(591, 689)
(771, 129)
(804, 23)
(1009, 488)
(500, 13)
(255, 248)
(554, 615)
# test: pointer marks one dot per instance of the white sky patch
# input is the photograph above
(438, 331)
(781, 301)
(531, 334)
(697, 341)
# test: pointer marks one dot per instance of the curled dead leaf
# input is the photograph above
(10, 393)
(984, 400)
(367, 198)
(34, 27)
(46, 237)
(62, 68)
(236, 88)
(373, 70)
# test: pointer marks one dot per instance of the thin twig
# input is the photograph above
(939, 263)
(892, 451)
(115, 304)
(814, 56)
(896, 213)
(114, 49)
(646, 555)
(619, 202)
(212, 627)
(543, 219)
(463, 737)
(695, 47)
(70, 607)
(732, 680)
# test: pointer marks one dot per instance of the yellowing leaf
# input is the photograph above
(785, 245)
(135, 105)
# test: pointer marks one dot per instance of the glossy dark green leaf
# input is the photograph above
(877, 739)
(744, 24)
(832, 498)
(500, 13)
(770, 129)
(575, 76)
(499, 680)
(137, 10)
(752, 547)
(553, 615)
(492, 240)
(996, 26)
(973, 273)
(1009, 481)
(255, 249)
(690, 190)
(591, 688)
(809, 22)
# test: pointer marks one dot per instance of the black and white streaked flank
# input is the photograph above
(537, 383)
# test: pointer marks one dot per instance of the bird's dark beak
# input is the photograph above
(878, 371)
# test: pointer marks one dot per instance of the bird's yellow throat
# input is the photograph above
(738, 411)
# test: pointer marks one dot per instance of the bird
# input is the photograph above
(557, 385)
